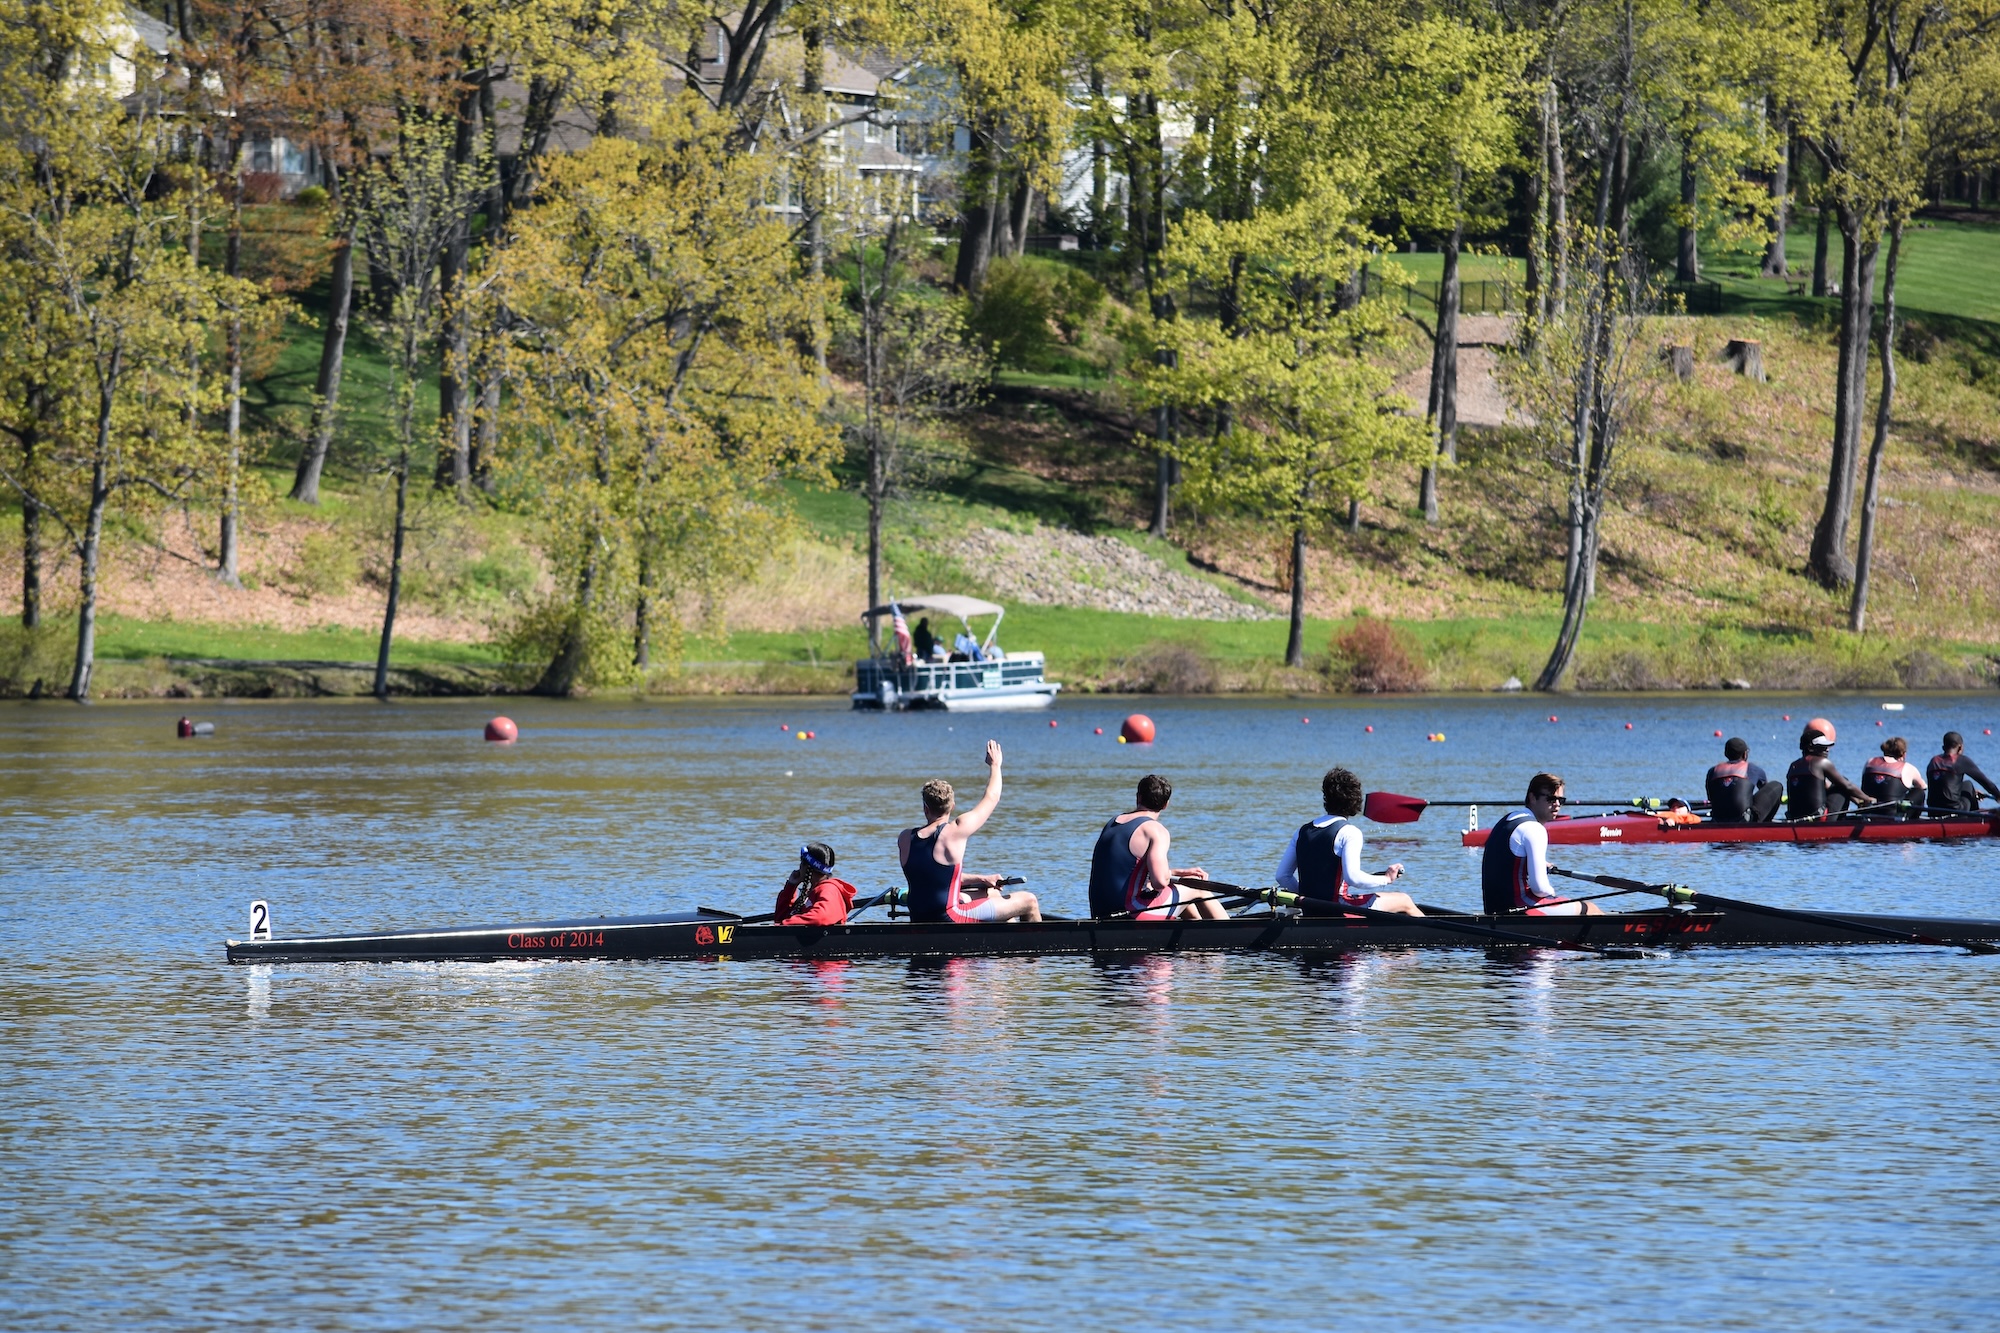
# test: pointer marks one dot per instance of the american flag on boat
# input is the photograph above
(901, 627)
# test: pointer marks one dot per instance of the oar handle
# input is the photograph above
(1285, 898)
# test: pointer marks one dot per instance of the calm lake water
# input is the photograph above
(1764, 1139)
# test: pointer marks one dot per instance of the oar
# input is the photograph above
(1387, 807)
(1679, 893)
(1580, 898)
(1282, 898)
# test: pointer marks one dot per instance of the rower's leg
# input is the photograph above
(1397, 902)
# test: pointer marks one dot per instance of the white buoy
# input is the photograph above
(1892, 708)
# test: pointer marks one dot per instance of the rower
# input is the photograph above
(1514, 871)
(1890, 777)
(1814, 788)
(812, 895)
(933, 857)
(1951, 772)
(1129, 874)
(1739, 792)
(1323, 859)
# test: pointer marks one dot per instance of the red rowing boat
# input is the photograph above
(1616, 830)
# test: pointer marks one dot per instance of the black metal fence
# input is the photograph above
(1505, 296)
(1487, 296)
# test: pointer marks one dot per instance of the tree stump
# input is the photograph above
(1746, 357)
(1680, 359)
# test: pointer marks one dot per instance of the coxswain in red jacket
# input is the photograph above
(813, 896)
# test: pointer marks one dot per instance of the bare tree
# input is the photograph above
(914, 359)
(1582, 380)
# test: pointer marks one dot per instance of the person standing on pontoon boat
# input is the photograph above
(1814, 788)
(1129, 874)
(1514, 870)
(933, 857)
(1323, 859)
(1955, 780)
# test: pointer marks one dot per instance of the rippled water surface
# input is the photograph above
(1762, 1139)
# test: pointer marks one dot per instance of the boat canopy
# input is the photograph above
(949, 603)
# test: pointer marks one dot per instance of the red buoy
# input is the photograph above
(1718, 733)
(1552, 717)
(1628, 726)
(1368, 728)
(1788, 717)
(1137, 729)
(1306, 720)
(502, 730)
(1098, 732)
(1052, 722)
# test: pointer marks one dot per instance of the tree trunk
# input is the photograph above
(1295, 642)
(1576, 601)
(1781, 196)
(1857, 613)
(1100, 172)
(1022, 211)
(876, 476)
(1687, 262)
(1537, 278)
(1558, 211)
(232, 265)
(1354, 515)
(975, 234)
(395, 576)
(486, 439)
(31, 538)
(1443, 403)
(1165, 428)
(93, 534)
(1829, 564)
(454, 461)
(812, 191)
(560, 679)
(642, 613)
(1819, 251)
(332, 352)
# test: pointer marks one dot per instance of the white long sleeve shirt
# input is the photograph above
(1346, 844)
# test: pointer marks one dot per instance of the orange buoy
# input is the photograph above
(1138, 729)
(502, 730)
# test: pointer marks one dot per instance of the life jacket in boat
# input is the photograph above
(1503, 876)
(1882, 778)
(1729, 791)
(1321, 874)
(933, 887)
(1116, 875)
(1806, 785)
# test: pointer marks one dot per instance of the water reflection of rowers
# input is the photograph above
(933, 857)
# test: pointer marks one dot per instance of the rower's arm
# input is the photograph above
(1534, 846)
(1854, 793)
(1348, 844)
(1968, 769)
(1287, 876)
(975, 819)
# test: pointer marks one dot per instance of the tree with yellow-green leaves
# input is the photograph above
(98, 404)
(1303, 417)
(657, 347)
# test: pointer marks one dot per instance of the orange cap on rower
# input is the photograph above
(1823, 728)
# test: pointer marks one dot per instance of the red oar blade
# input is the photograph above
(1386, 807)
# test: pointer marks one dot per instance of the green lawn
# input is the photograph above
(1946, 268)
(119, 637)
